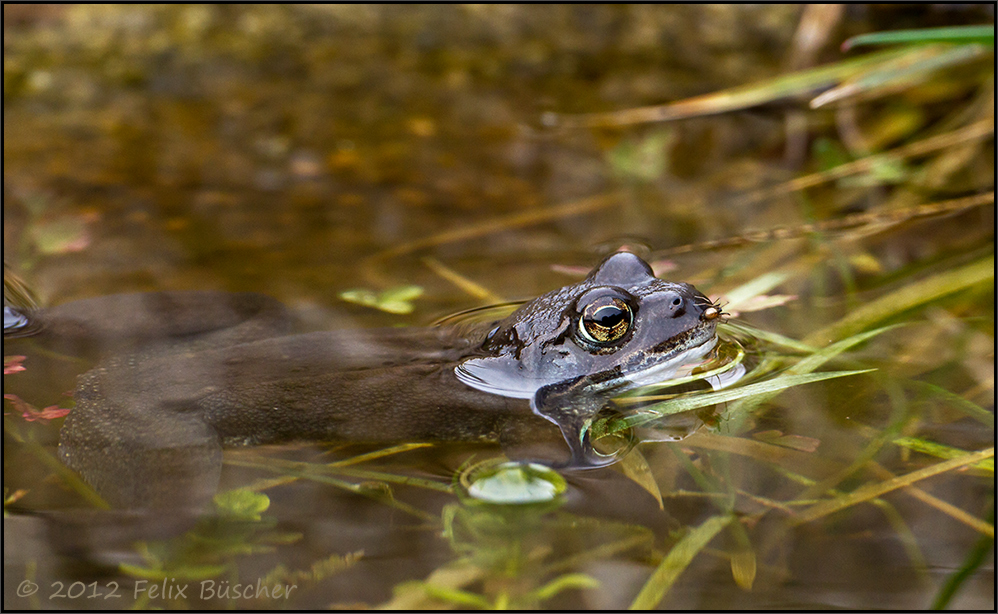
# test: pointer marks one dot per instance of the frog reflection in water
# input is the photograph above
(183, 374)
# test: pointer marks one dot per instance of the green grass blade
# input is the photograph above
(959, 34)
(977, 556)
(908, 297)
(916, 67)
(767, 336)
(675, 406)
(940, 451)
(956, 401)
(676, 561)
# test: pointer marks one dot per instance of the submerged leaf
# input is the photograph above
(394, 300)
(743, 568)
(636, 468)
(242, 503)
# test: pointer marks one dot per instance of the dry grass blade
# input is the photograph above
(506, 222)
(871, 491)
(376, 454)
(474, 289)
(947, 508)
(868, 220)
(371, 266)
(762, 452)
(976, 131)
(676, 562)
(793, 85)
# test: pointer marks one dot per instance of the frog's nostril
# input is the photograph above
(676, 306)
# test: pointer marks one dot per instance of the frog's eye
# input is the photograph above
(604, 320)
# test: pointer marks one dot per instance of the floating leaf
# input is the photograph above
(760, 303)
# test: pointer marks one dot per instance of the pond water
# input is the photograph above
(375, 168)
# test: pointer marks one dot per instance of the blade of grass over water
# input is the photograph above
(866, 220)
(796, 84)
(976, 131)
(959, 34)
(769, 337)
(870, 491)
(904, 72)
(735, 414)
(676, 562)
(903, 299)
(316, 470)
(675, 406)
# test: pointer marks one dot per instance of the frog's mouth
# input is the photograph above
(671, 358)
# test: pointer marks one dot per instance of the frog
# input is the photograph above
(569, 350)
(180, 376)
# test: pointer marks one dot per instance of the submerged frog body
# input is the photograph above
(181, 375)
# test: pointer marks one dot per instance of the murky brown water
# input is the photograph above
(305, 152)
